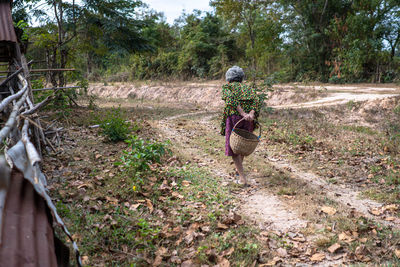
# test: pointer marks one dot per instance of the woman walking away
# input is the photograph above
(241, 101)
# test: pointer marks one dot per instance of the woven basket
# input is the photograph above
(243, 142)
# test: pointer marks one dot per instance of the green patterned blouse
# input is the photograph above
(235, 94)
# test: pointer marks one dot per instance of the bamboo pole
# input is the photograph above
(42, 70)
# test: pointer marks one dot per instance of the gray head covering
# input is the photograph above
(234, 74)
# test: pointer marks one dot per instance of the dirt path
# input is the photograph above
(260, 204)
(257, 204)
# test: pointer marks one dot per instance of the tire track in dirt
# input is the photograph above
(349, 197)
(335, 99)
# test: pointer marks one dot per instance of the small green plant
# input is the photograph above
(351, 104)
(92, 102)
(114, 126)
(140, 155)
(397, 109)
(84, 86)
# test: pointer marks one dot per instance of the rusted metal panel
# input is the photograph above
(27, 234)
(33, 175)
(7, 32)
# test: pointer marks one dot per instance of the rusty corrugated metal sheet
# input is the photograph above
(7, 32)
(28, 237)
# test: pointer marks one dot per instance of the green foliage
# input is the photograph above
(142, 153)
(37, 84)
(84, 85)
(336, 80)
(114, 126)
(23, 26)
(329, 41)
(397, 109)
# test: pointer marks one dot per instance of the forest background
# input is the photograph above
(333, 41)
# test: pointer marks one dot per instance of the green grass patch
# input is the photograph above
(360, 129)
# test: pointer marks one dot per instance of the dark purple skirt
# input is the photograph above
(230, 122)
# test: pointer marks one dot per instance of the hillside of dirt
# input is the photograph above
(208, 94)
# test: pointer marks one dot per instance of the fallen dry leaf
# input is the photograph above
(185, 183)
(390, 219)
(345, 237)
(228, 252)
(85, 260)
(317, 257)
(376, 212)
(189, 238)
(272, 262)
(112, 200)
(363, 240)
(188, 263)
(360, 250)
(223, 263)
(222, 226)
(328, 210)
(153, 179)
(177, 195)
(392, 208)
(149, 205)
(281, 252)
(157, 261)
(162, 251)
(265, 234)
(397, 253)
(334, 248)
(134, 206)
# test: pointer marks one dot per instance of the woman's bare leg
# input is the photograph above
(238, 160)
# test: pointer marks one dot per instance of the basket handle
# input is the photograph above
(259, 134)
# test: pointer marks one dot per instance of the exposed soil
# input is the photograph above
(283, 96)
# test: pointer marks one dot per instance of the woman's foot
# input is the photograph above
(243, 180)
(241, 183)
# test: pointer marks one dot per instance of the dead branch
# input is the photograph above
(38, 106)
(7, 100)
(31, 151)
(5, 131)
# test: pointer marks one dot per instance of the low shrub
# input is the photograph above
(140, 154)
(115, 126)
(336, 80)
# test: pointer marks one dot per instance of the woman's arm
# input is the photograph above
(247, 116)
